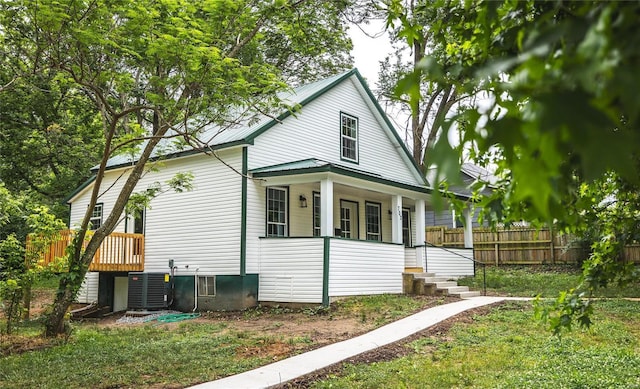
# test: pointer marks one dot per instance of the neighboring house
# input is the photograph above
(329, 204)
(469, 174)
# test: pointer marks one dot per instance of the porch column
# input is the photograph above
(326, 207)
(468, 227)
(396, 219)
(419, 238)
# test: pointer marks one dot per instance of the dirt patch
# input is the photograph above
(17, 344)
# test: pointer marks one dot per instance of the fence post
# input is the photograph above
(553, 249)
(497, 247)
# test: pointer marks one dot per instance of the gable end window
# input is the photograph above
(96, 217)
(348, 137)
(277, 212)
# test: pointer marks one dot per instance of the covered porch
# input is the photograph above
(334, 231)
(317, 199)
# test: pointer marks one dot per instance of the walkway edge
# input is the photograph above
(306, 363)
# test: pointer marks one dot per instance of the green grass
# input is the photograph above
(508, 349)
(532, 281)
(382, 309)
(190, 353)
(139, 356)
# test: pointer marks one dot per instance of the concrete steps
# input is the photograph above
(429, 284)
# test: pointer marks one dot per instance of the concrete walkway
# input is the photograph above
(299, 365)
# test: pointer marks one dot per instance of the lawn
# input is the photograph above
(505, 348)
(190, 352)
(508, 349)
(531, 281)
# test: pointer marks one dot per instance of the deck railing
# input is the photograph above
(118, 252)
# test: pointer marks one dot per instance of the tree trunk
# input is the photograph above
(79, 262)
(26, 301)
(55, 323)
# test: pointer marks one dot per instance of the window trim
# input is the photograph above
(366, 222)
(317, 230)
(357, 219)
(92, 218)
(200, 293)
(356, 139)
(285, 189)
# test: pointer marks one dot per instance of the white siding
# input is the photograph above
(358, 268)
(315, 133)
(410, 257)
(291, 270)
(89, 290)
(449, 262)
(199, 229)
(256, 223)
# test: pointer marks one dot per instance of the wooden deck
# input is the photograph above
(119, 252)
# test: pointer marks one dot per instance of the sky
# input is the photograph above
(368, 52)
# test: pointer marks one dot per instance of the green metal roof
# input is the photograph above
(245, 132)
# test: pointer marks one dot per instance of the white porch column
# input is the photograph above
(396, 219)
(468, 227)
(326, 207)
(418, 240)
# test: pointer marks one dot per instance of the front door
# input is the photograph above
(406, 227)
(348, 219)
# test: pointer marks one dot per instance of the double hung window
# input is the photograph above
(277, 211)
(96, 216)
(349, 137)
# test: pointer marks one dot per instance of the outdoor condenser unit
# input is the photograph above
(148, 290)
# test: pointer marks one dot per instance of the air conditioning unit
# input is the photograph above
(148, 290)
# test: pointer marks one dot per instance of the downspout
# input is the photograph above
(195, 290)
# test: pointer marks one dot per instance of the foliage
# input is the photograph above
(430, 100)
(19, 269)
(561, 110)
(505, 348)
(49, 138)
(162, 71)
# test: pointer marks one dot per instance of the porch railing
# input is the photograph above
(118, 252)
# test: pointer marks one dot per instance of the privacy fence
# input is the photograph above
(519, 246)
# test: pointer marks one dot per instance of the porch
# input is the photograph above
(119, 252)
(317, 269)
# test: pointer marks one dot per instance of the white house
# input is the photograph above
(312, 206)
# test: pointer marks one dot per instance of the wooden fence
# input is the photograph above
(518, 246)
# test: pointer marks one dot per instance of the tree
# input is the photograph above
(562, 116)
(168, 69)
(435, 98)
(18, 269)
(49, 138)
